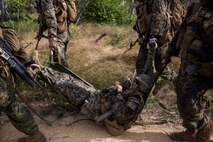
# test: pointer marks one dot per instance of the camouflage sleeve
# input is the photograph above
(50, 18)
(158, 18)
(175, 45)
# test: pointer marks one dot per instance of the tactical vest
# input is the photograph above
(174, 14)
(195, 40)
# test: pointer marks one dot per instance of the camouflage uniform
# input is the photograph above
(155, 20)
(55, 16)
(17, 113)
(193, 43)
(125, 106)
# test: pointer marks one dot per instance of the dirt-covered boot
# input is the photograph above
(204, 134)
(188, 135)
(37, 136)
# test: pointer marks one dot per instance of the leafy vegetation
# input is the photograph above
(107, 11)
(22, 12)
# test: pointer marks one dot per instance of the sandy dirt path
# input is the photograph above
(88, 131)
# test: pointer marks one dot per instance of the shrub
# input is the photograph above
(18, 9)
(107, 11)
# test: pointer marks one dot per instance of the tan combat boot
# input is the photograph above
(188, 135)
(37, 136)
(204, 134)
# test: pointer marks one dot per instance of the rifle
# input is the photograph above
(15, 65)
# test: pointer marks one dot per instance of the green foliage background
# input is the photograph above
(101, 11)
(107, 11)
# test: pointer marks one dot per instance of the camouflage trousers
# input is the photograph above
(60, 55)
(17, 113)
(190, 100)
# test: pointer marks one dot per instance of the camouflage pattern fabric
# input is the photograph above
(93, 102)
(17, 113)
(53, 17)
(194, 46)
(81, 95)
(154, 19)
(190, 100)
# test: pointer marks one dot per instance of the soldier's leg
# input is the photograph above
(18, 114)
(141, 59)
(191, 107)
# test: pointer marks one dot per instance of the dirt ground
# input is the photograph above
(89, 131)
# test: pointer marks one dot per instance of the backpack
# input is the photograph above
(71, 10)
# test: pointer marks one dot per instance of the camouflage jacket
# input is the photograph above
(155, 18)
(194, 41)
(54, 16)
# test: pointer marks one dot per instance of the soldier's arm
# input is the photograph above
(158, 18)
(50, 18)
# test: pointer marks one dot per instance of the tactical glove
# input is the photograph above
(153, 42)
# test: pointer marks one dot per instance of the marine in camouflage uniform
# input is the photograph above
(194, 44)
(156, 25)
(125, 104)
(17, 113)
(55, 16)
